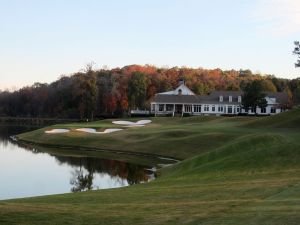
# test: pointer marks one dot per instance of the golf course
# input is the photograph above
(225, 170)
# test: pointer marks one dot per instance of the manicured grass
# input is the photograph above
(235, 171)
(171, 137)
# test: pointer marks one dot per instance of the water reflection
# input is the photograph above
(122, 173)
(7, 130)
(81, 181)
(50, 173)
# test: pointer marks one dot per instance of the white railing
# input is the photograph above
(139, 112)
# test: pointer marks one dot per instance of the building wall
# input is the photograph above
(211, 109)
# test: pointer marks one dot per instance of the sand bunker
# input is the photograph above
(93, 131)
(139, 123)
(56, 131)
(135, 125)
(123, 122)
(143, 122)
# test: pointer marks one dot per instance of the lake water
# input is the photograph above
(26, 172)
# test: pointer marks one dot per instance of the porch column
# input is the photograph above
(173, 110)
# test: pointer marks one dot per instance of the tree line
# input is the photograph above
(113, 92)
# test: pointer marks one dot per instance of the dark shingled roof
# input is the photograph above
(176, 99)
(281, 97)
(226, 93)
(213, 98)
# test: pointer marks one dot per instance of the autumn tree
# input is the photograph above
(267, 85)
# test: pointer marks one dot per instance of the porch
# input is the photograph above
(175, 109)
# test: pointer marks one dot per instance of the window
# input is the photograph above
(197, 108)
(229, 109)
(263, 110)
(169, 107)
(220, 108)
(230, 98)
(213, 108)
(160, 107)
(273, 110)
(188, 108)
(152, 107)
(221, 98)
(206, 108)
(240, 99)
(179, 92)
(238, 109)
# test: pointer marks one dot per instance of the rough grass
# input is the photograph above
(232, 174)
(289, 119)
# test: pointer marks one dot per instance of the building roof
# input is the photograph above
(226, 93)
(215, 100)
(182, 87)
(163, 98)
(281, 97)
(188, 97)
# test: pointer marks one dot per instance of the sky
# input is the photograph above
(42, 40)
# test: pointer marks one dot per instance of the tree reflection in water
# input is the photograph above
(85, 169)
(82, 178)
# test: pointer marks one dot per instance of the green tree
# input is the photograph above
(254, 96)
(297, 53)
(296, 95)
(87, 91)
(137, 87)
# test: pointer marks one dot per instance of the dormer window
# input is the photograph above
(221, 98)
(230, 98)
(181, 81)
(240, 99)
(179, 92)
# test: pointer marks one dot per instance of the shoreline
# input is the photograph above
(88, 149)
(35, 120)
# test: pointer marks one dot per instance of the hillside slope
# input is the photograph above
(289, 119)
(254, 153)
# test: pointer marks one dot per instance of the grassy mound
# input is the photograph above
(171, 137)
(250, 154)
(289, 119)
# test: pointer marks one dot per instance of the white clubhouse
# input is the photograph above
(183, 101)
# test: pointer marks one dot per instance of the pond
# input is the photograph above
(27, 171)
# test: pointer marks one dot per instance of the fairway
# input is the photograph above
(232, 170)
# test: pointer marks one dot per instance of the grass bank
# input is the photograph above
(234, 171)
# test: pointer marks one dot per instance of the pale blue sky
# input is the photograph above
(40, 40)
